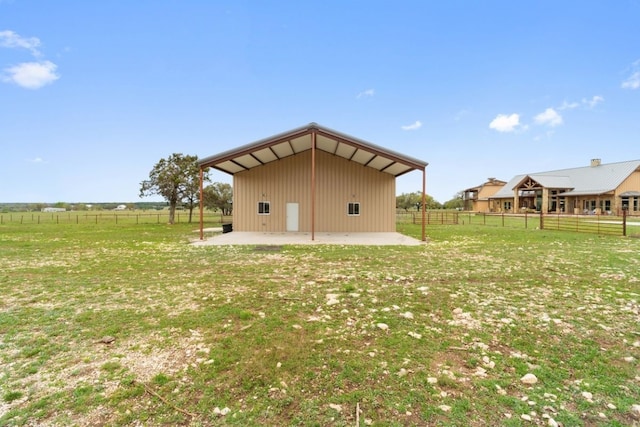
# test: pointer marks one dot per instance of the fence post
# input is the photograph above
(503, 219)
(624, 222)
(525, 220)
(541, 220)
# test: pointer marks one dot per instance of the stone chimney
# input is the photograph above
(595, 162)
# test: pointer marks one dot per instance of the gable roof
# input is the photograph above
(490, 181)
(548, 181)
(297, 140)
(588, 180)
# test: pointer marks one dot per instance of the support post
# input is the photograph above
(424, 202)
(201, 205)
(313, 184)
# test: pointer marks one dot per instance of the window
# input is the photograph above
(264, 208)
(625, 203)
(353, 209)
(507, 206)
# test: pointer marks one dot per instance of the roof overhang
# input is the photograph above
(298, 140)
(585, 193)
(630, 194)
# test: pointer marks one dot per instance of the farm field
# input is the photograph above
(128, 324)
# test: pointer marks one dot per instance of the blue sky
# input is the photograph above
(94, 93)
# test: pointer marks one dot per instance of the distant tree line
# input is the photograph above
(93, 206)
(413, 202)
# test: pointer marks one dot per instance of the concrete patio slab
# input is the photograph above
(321, 238)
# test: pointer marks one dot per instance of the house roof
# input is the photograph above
(588, 180)
(297, 140)
(491, 181)
(552, 181)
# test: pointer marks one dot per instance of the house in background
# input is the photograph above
(595, 189)
(476, 199)
(314, 179)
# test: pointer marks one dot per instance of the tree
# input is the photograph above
(413, 200)
(219, 195)
(408, 201)
(457, 202)
(177, 179)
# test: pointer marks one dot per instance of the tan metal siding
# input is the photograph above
(338, 182)
(632, 183)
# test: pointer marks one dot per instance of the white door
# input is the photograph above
(292, 217)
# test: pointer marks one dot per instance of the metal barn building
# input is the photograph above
(314, 179)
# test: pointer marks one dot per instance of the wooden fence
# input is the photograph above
(431, 217)
(597, 224)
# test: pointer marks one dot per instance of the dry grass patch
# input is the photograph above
(440, 334)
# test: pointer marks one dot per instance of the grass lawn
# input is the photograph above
(440, 334)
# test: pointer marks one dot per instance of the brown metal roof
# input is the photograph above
(298, 140)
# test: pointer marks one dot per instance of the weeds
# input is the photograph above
(231, 336)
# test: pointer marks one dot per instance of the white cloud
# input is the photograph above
(568, 105)
(368, 92)
(414, 126)
(633, 82)
(585, 103)
(36, 160)
(549, 117)
(31, 75)
(10, 39)
(460, 115)
(593, 101)
(505, 123)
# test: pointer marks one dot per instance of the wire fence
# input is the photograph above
(109, 218)
(525, 220)
(597, 224)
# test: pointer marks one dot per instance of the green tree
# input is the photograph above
(219, 195)
(457, 202)
(177, 179)
(413, 200)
